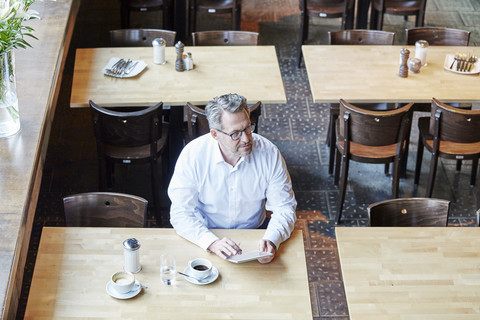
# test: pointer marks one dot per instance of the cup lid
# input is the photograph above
(131, 244)
(158, 41)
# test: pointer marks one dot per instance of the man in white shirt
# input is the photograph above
(227, 179)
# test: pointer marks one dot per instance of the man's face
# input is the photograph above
(232, 122)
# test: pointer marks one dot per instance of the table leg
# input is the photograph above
(362, 13)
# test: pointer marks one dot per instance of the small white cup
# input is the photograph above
(200, 268)
(123, 282)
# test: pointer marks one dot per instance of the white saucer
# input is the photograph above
(212, 277)
(140, 65)
(112, 292)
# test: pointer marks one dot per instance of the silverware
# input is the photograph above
(187, 275)
(455, 59)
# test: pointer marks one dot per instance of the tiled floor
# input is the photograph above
(297, 128)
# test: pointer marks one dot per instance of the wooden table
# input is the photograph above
(251, 71)
(74, 265)
(370, 74)
(411, 273)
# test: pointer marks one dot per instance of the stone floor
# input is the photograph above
(297, 128)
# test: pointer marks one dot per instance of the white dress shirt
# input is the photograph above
(208, 193)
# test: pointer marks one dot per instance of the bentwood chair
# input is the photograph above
(437, 36)
(128, 138)
(324, 9)
(105, 209)
(197, 123)
(129, 6)
(355, 37)
(397, 7)
(449, 133)
(478, 218)
(369, 137)
(140, 37)
(233, 7)
(225, 38)
(409, 212)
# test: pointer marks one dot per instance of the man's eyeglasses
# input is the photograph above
(238, 134)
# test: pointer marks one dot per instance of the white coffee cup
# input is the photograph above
(123, 282)
(200, 268)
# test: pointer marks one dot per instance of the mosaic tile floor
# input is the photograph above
(297, 128)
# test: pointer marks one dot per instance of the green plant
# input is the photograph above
(13, 13)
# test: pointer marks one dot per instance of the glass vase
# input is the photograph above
(9, 116)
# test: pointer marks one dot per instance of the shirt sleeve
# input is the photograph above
(183, 192)
(281, 201)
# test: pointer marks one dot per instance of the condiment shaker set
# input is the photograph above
(413, 64)
(183, 61)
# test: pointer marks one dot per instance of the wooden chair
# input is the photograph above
(234, 7)
(197, 123)
(397, 7)
(129, 6)
(324, 9)
(449, 133)
(105, 209)
(438, 36)
(409, 212)
(478, 218)
(355, 37)
(140, 37)
(126, 138)
(369, 137)
(225, 38)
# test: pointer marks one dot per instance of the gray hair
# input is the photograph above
(228, 102)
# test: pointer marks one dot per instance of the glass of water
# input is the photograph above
(168, 269)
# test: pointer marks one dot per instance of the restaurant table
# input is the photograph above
(410, 273)
(369, 73)
(74, 265)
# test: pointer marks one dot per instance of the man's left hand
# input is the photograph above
(266, 246)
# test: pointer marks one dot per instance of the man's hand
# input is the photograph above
(225, 248)
(266, 246)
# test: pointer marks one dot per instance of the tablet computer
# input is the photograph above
(249, 256)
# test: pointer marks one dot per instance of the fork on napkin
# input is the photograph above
(121, 68)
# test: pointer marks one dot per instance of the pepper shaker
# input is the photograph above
(131, 254)
(179, 46)
(404, 54)
(158, 50)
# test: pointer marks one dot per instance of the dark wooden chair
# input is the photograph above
(478, 218)
(225, 38)
(105, 209)
(449, 133)
(131, 137)
(409, 212)
(437, 36)
(140, 37)
(197, 123)
(355, 37)
(129, 6)
(234, 7)
(369, 137)
(397, 7)
(324, 9)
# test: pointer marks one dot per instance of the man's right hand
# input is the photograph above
(224, 248)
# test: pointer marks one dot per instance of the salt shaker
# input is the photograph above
(158, 51)
(131, 254)
(404, 54)
(188, 61)
(179, 46)
(421, 47)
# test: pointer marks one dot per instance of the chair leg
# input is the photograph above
(338, 158)
(396, 177)
(431, 175)
(331, 140)
(418, 164)
(342, 188)
(458, 167)
(238, 13)
(302, 37)
(155, 189)
(193, 19)
(473, 176)
(373, 18)
(124, 17)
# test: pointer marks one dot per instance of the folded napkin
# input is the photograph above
(134, 68)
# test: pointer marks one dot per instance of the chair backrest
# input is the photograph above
(409, 212)
(454, 124)
(373, 128)
(438, 36)
(140, 37)
(197, 123)
(361, 37)
(127, 129)
(225, 38)
(105, 209)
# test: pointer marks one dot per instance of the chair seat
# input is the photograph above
(144, 5)
(372, 153)
(396, 7)
(333, 9)
(214, 4)
(136, 153)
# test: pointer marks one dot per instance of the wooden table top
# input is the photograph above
(74, 265)
(411, 273)
(370, 74)
(251, 71)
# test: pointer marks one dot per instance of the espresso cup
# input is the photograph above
(123, 282)
(200, 268)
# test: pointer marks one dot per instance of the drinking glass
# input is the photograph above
(168, 269)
